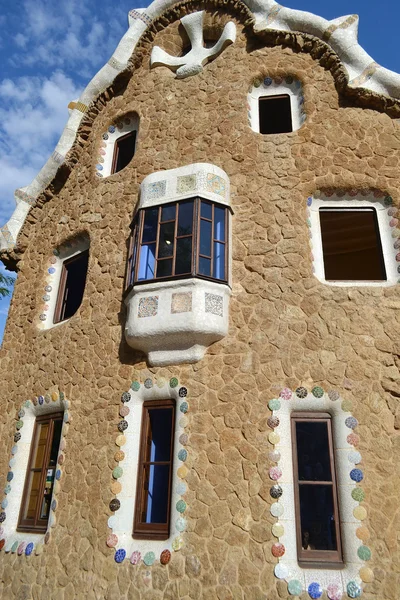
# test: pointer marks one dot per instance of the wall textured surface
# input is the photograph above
(286, 330)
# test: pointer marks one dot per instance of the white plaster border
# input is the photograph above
(269, 87)
(341, 34)
(17, 541)
(63, 252)
(387, 223)
(347, 459)
(121, 522)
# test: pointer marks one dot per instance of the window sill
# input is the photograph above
(314, 564)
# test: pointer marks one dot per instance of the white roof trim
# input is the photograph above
(340, 34)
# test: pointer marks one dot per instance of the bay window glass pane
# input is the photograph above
(313, 451)
(219, 261)
(205, 237)
(183, 260)
(156, 502)
(185, 218)
(147, 262)
(168, 212)
(206, 210)
(317, 517)
(205, 266)
(166, 240)
(164, 268)
(219, 223)
(150, 225)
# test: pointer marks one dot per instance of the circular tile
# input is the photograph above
(354, 457)
(17, 437)
(124, 411)
(125, 397)
(353, 439)
(117, 472)
(160, 382)
(180, 524)
(351, 422)
(184, 407)
(273, 438)
(122, 425)
(183, 439)
(182, 455)
(29, 549)
(333, 591)
(115, 504)
(181, 488)
(182, 392)
(267, 81)
(277, 530)
(10, 476)
(135, 386)
(273, 422)
(14, 450)
(286, 394)
(181, 506)
(295, 587)
(278, 550)
(353, 590)
(7, 489)
(315, 590)
(182, 472)
(119, 455)
(21, 413)
(347, 406)
(14, 547)
(165, 557)
(112, 540)
(121, 440)
(112, 522)
(173, 382)
(120, 555)
(177, 543)
(257, 83)
(148, 383)
(358, 494)
(317, 391)
(149, 558)
(21, 548)
(364, 553)
(274, 456)
(281, 571)
(333, 395)
(274, 404)
(4, 504)
(360, 513)
(276, 509)
(275, 473)
(366, 574)
(276, 491)
(135, 557)
(116, 487)
(356, 475)
(301, 392)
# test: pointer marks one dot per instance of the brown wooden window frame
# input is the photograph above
(133, 134)
(263, 101)
(152, 531)
(324, 559)
(59, 310)
(38, 525)
(136, 243)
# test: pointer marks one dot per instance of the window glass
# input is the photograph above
(205, 237)
(150, 225)
(164, 268)
(206, 210)
(124, 151)
(351, 245)
(275, 114)
(219, 261)
(168, 212)
(185, 220)
(147, 262)
(72, 286)
(219, 223)
(183, 259)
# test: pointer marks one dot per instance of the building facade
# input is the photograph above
(200, 366)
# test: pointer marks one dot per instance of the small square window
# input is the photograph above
(124, 150)
(351, 245)
(72, 286)
(275, 114)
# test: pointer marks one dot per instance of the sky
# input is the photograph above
(50, 50)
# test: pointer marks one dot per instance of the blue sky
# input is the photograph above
(50, 50)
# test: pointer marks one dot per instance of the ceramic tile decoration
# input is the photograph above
(214, 304)
(267, 86)
(356, 554)
(216, 184)
(124, 474)
(181, 302)
(23, 542)
(156, 189)
(186, 183)
(148, 307)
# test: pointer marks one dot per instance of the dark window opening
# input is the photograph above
(40, 477)
(72, 286)
(124, 150)
(275, 114)
(351, 245)
(315, 489)
(180, 239)
(153, 491)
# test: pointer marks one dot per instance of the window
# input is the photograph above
(351, 244)
(153, 492)
(72, 286)
(315, 490)
(275, 114)
(41, 472)
(180, 239)
(124, 150)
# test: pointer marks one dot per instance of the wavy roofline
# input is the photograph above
(341, 34)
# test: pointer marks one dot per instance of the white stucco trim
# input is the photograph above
(386, 230)
(272, 87)
(341, 34)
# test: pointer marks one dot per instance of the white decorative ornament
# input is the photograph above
(192, 62)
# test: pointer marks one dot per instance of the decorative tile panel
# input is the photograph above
(156, 189)
(214, 304)
(181, 302)
(186, 183)
(148, 307)
(216, 184)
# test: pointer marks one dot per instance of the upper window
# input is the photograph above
(124, 149)
(153, 492)
(36, 500)
(187, 238)
(72, 286)
(351, 244)
(315, 489)
(275, 114)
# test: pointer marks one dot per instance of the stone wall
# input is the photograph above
(286, 329)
